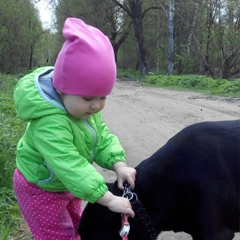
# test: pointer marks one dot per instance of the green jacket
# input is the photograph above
(57, 151)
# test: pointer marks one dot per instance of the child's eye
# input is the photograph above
(92, 98)
(88, 98)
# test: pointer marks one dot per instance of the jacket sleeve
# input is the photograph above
(54, 140)
(109, 149)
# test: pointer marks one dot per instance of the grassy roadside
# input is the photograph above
(11, 128)
(194, 83)
(12, 226)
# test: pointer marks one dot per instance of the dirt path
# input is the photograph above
(145, 118)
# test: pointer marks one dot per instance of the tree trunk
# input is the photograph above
(136, 11)
(170, 37)
(193, 25)
(116, 44)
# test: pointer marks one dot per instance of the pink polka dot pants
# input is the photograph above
(49, 215)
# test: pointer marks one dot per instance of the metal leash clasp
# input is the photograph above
(127, 193)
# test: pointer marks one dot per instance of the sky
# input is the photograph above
(45, 13)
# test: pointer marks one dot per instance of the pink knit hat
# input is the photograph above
(85, 65)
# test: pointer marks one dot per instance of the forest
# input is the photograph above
(153, 36)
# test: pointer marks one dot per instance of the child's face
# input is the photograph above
(82, 106)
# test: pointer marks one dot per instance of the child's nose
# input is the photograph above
(96, 105)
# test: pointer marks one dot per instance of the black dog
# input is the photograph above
(191, 184)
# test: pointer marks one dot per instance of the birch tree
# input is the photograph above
(170, 37)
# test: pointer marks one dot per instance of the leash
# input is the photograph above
(140, 212)
(125, 229)
(145, 219)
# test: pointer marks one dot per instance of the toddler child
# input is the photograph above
(66, 134)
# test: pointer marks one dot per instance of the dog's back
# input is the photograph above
(191, 184)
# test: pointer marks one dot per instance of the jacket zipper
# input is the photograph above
(94, 137)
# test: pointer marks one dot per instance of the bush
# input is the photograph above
(227, 87)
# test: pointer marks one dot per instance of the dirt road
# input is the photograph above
(145, 118)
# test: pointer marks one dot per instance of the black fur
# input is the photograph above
(191, 184)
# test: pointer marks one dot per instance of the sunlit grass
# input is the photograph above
(196, 83)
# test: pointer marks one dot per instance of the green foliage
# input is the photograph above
(228, 87)
(20, 30)
(9, 212)
(11, 223)
(196, 83)
(11, 129)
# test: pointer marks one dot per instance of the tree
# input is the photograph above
(134, 10)
(197, 36)
(170, 37)
(221, 39)
(229, 32)
(20, 29)
(103, 14)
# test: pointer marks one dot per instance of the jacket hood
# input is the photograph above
(35, 97)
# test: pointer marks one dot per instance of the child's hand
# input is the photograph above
(121, 205)
(116, 204)
(124, 173)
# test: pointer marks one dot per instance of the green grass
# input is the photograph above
(11, 129)
(196, 83)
